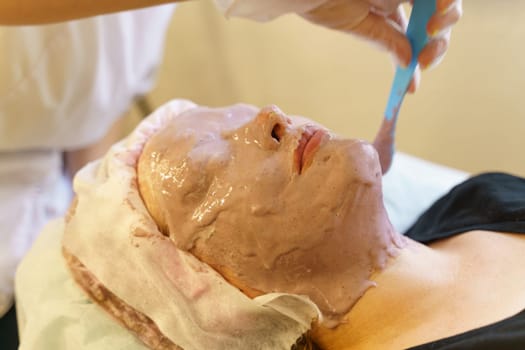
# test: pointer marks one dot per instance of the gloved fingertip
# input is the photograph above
(414, 83)
(433, 53)
(444, 6)
(433, 26)
(433, 63)
(405, 58)
(424, 60)
(432, 31)
(411, 88)
(403, 52)
(401, 61)
(424, 63)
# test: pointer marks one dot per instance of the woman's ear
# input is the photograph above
(145, 184)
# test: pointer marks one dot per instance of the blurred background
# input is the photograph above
(469, 112)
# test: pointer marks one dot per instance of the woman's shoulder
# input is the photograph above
(491, 301)
(490, 202)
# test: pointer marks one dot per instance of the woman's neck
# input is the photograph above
(429, 293)
(405, 292)
(366, 242)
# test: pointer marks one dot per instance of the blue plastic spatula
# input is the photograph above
(417, 34)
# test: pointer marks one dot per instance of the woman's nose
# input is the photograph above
(272, 125)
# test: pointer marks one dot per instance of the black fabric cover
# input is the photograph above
(9, 331)
(492, 202)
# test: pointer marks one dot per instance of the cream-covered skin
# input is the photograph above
(274, 203)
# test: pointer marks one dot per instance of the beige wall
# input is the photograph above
(469, 112)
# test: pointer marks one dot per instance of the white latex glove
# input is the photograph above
(384, 23)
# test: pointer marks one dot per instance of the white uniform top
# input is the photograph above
(61, 87)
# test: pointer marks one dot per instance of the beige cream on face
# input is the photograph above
(272, 204)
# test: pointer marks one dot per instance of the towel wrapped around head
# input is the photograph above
(166, 296)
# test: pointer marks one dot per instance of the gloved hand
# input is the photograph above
(384, 22)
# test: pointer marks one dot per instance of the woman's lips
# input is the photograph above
(308, 144)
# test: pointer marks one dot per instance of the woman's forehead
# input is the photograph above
(204, 120)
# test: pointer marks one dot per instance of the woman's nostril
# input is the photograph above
(277, 132)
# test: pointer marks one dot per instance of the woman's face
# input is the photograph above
(266, 199)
